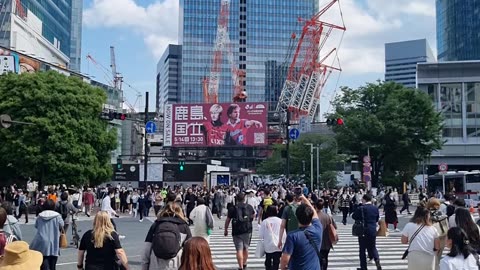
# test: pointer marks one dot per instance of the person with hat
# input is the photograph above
(18, 256)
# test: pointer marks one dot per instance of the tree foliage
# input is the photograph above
(68, 142)
(398, 125)
(300, 154)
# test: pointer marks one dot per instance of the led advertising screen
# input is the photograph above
(215, 125)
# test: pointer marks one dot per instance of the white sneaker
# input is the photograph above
(121, 236)
(130, 212)
(141, 220)
(397, 230)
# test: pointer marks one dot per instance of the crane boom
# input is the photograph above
(223, 45)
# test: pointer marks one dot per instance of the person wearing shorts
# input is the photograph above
(242, 216)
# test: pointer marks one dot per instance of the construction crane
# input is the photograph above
(222, 45)
(308, 73)
(114, 78)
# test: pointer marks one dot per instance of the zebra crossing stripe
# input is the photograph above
(344, 255)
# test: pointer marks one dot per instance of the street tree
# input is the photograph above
(398, 126)
(300, 159)
(67, 142)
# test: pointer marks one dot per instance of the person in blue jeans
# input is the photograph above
(369, 214)
(303, 245)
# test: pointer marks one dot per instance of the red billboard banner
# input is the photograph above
(215, 125)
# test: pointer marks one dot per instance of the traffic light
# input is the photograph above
(335, 122)
(181, 166)
(111, 115)
(119, 163)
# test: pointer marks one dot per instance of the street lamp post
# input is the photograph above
(311, 165)
(318, 166)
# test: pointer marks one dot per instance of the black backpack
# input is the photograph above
(63, 210)
(242, 222)
(167, 241)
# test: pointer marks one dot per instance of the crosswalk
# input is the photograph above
(344, 256)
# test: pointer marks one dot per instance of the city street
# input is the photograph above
(344, 256)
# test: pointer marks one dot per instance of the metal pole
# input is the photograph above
(288, 144)
(145, 161)
(318, 166)
(311, 167)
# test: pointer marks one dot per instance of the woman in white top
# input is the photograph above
(269, 232)
(421, 253)
(461, 255)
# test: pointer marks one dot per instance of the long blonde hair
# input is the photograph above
(102, 228)
(172, 209)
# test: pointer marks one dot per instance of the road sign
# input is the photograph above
(5, 121)
(443, 167)
(150, 127)
(366, 159)
(294, 133)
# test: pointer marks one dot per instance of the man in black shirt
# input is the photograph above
(190, 200)
(242, 216)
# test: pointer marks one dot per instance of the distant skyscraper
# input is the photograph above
(169, 71)
(41, 29)
(76, 36)
(260, 31)
(458, 28)
(401, 60)
(275, 75)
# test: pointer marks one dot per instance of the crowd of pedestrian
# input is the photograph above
(294, 225)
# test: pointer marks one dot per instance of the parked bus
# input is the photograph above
(463, 184)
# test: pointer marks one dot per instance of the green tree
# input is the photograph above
(300, 155)
(398, 125)
(68, 142)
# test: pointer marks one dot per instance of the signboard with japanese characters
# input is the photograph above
(215, 125)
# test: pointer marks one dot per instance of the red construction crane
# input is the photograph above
(222, 45)
(308, 73)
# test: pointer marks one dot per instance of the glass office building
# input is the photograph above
(55, 17)
(76, 36)
(458, 28)
(260, 34)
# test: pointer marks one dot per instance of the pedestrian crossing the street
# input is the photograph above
(344, 256)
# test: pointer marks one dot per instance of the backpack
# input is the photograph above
(292, 221)
(242, 222)
(167, 241)
(63, 210)
(5, 239)
(440, 222)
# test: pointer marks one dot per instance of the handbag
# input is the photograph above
(260, 249)
(63, 240)
(332, 234)
(405, 254)
(358, 228)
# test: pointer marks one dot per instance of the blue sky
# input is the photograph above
(141, 29)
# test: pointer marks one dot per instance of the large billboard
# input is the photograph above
(215, 125)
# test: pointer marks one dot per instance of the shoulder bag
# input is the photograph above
(405, 254)
(332, 232)
(315, 247)
(358, 228)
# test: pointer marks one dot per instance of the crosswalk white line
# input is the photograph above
(344, 256)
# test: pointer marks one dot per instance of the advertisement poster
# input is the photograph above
(13, 62)
(215, 125)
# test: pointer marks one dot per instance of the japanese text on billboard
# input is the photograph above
(222, 124)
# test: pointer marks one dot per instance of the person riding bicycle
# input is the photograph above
(63, 207)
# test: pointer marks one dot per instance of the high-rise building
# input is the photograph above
(454, 88)
(169, 70)
(275, 75)
(76, 36)
(41, 29)
(259, 31)
(458, 30)
(401, 60)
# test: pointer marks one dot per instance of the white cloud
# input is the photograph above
(157, 22)
(375, 23)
